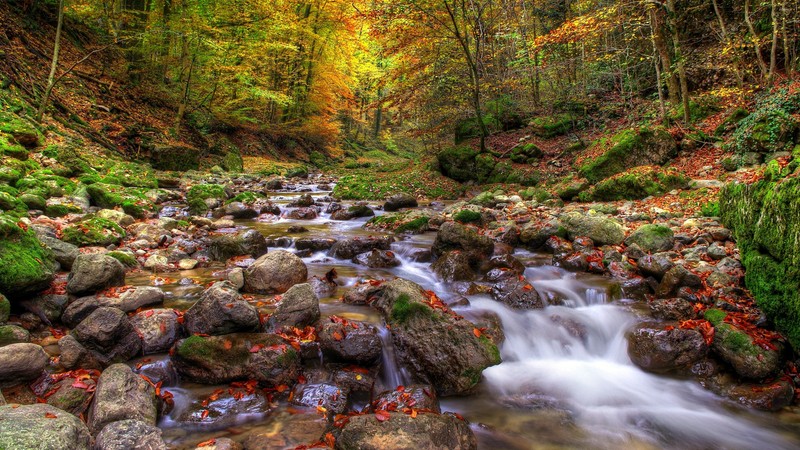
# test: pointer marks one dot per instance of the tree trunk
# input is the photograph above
(659, 40)
(754, 39)
(51, 79)
(773, 52)
(680, 63)
(656, 63)
(185, 100)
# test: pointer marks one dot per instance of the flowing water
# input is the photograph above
(565, 382)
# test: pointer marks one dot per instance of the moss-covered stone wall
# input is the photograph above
(765, 217)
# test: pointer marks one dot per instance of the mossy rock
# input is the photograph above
(131, 174)
(61, 209)
(9, 147)
(467, 216)
(765, 220)
(71, 159)
(26, 266)
(93, 231)
(5, 309)
(636, 184)
(652, 238)
(11, 203)
(233, 162)
(9, 175)
(248, 198)
(731, 122)
(537, 194)
(297, 172)
(175, 158)
(199, 193)
(551, 126)
(23, 132)
(109, 196)
(527, 153)
(46, 184)
(458, 163)
(127, 259)
(629, 148)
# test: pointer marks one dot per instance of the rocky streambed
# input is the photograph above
(250, 313)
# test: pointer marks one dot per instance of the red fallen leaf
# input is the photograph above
(382, 415)
(229, 305)
(208, 443)
(50, 415)
(80, 385)
(148, 313)
(295, 345)
(162, 327)
(527, 287)
(337, 336)
(669, 328)
(400, 388)
(330, 440)
(204, 414)
(476, 332)
(256, 348)
(281, 388)
(227, 344)
(413, 414)
(301, 379)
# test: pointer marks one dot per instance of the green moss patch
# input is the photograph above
(467, 216)
(199, 193)
(636, 184)
(26, 266)
(404, 310)
(552, 126)
(627, 149)
(93, 231)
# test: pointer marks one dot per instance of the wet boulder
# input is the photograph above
(133, 299)
(506, 264)
(267, 358)
(737, 348)
(108, 333)
(122, 395)
(21, 362)
(248, 242)
(350, 248)
(652, 238)
(377, 259)
(159, 329)
(41, 427)
(299, 307)
(323, 287)
(601, 229)
(769, 397)
(676, 278)
(74, 355)
(48, 307)
(398, 201)
(656, 348)
(301, 214)
(288, 430)
(79, 309)
(352, 212)
(223, 408)
(454, 265)
(363, 293)
(130, 434)
(455, 236)
(672, 309)
(64, 252)
(275, 273)
(71, 396)
(13, 334)
(399, 431)
(349, 341)
(314, 244)
(94, 272)
(420, 322)
(535, 233)
(331, 398)
(516, 292)
(415, 396)
(239, 210)
(221, 310)
(655, 265)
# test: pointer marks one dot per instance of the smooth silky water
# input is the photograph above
(565, 382)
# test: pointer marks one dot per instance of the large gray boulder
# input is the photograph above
(601, 229)
(419, 323)
(158, 328)
(299, 307)
(64, 252)
(652, 238)
(122, 395)
(455, 236)
(656, 348)
(109, 335)
(21, 362)
(135, 298)
(94, 272)
(248, 242)
(221, 310)
(129, 435)
(401, 200)
(349, 248)
(349, 341)
(426, 431)
(267, 358)
(41, 427)
(275, 273)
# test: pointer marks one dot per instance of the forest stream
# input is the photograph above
(566, 380)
